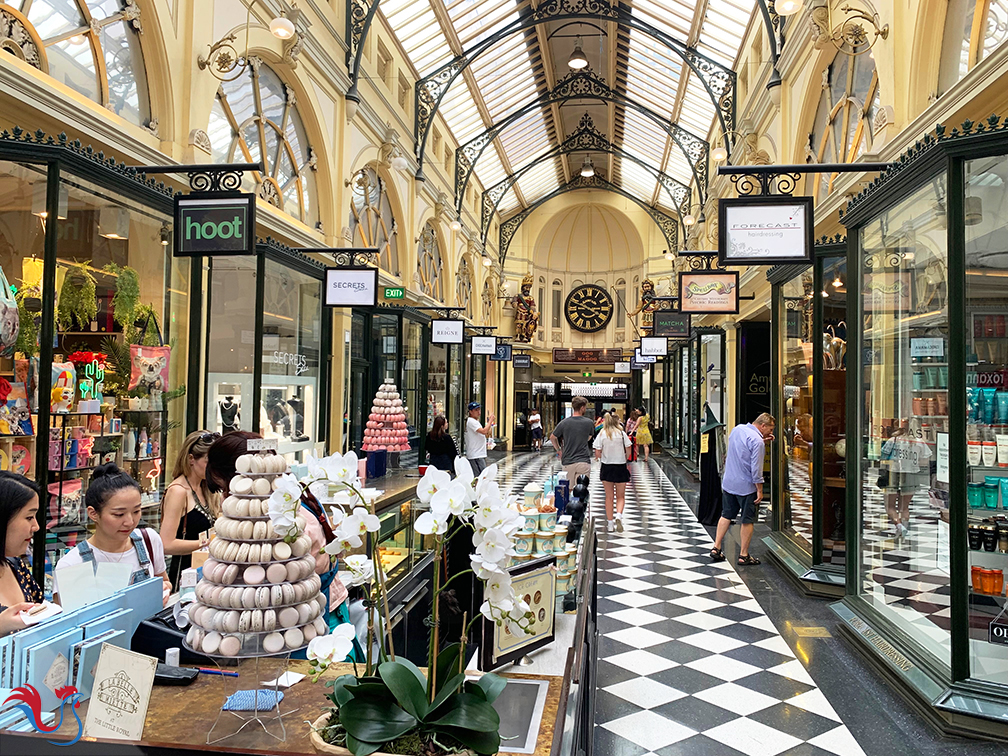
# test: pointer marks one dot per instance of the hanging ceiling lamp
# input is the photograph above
(587, 167)
(577, 59)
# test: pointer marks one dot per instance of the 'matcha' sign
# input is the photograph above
(215, 224)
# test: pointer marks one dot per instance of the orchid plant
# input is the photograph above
(394, 704)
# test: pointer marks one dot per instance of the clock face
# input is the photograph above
(588, 308)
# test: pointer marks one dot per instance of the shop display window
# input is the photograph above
(903, 396)
(230, 345)
(291, 356)
(986, 217)
(712, 378)
(437, 382)
(412, 392)
(833, 389)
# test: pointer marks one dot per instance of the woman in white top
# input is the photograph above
(535, 423)
(612, 446)
(113, 504)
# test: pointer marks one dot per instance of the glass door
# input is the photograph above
(833, 424)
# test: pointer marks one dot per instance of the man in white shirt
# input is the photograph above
(535, 423)
(476, 435)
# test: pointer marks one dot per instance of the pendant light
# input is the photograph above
(587, 167)
(577, 59)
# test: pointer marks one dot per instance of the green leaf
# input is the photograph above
(408, 691)
(361, 748)
(492, 685)
(447, 663)
(450, 688)
(340, 691)
(375, 721)
(481, 742)
(471, 713)
(420, 676)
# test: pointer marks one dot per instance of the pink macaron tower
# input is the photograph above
(386, 427)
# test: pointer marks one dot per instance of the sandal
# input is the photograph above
(748, 559)
(716, 555)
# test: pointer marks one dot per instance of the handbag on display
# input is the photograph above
(149, 364)
(10, 323)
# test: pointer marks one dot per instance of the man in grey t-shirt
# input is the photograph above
(572, 438)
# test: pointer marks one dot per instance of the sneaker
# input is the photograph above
(610, 526)
(619, 523)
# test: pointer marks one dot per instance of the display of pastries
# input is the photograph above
(259, 594)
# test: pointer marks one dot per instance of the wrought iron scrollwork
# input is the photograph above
(355, 258)
(749, 184)
(703, 262)
(210, 180)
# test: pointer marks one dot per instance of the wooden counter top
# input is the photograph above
(179, 718)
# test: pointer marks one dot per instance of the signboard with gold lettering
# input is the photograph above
(889, 292)
(709, 292)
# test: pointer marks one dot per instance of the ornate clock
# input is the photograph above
(588, 308)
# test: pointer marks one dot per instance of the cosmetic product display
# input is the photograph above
(255, 583)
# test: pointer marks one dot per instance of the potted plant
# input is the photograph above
(78, 301)
(391, 706)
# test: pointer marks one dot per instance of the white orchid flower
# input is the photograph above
(324, 650)
(495, 547)
(464, 473)
(337, 516)
(432, 481)
(334, 548)
(488, 476)
(368, 523)
(511, 522)
(484, 570)
(432, 523)
(487, 515)
(496, 612)
(360, 569)
(453, 499)
(498, 588)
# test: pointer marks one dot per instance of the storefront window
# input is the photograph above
(903, 408)
(796, 432)
(684, 403)
(230, 349)
(255, 118)
(93, 47)
(291, 355)
(711, 361)
(371, 220)
(834, 409)
(121, 359)
(412, 390)
(987, 415)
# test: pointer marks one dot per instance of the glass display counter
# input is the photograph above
(925, 598)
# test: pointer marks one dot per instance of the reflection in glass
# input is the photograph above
(903, 390)
(834, 399)
(796, 432)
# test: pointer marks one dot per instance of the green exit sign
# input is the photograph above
(394, 292)
(586, 375)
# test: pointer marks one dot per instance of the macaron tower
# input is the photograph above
(259, 594)
(386, 427)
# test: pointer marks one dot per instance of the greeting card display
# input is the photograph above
(259, 594)
(64, 382)
(386, 427)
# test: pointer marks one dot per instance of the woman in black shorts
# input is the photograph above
(612, 446)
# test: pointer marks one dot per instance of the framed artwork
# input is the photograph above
(535, 582)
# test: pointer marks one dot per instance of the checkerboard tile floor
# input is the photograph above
(689, 663)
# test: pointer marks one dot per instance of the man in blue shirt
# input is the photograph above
(742, 483)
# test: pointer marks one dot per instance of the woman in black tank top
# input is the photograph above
(189, 508)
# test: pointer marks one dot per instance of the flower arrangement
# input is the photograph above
(393, 704)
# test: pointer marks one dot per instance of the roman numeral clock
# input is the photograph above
(588, 308)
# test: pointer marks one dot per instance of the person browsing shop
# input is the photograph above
(612, 447)
(476, 435)
(113, 505)
(441, 446)
(572, 438)
(19, 503)
(643, 433)
(742, 483)
(188, 509)
(535, 423)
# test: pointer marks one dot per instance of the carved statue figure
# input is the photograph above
(526, 314)
(647, 305)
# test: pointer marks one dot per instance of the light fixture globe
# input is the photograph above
(587, 167)
(399, 163)
(669, 256)
(689, 219)
(487, 262)
(282, 27)
(787, 7)
(577, 59)
(456, 225)
(719, 154)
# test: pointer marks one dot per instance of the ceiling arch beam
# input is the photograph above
(581, 85)
(586, 139)
(666, 223)
(718, 80)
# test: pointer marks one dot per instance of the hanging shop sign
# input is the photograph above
(654, 346)
(671, 324)
(622, 368)
(619, 393)
(214, 223)
(521, 361)
(351, 287)
(890, 292)
(644, 359)
(484, 344)
(502, 354)
(577, 356)
(636, 364)
(765, 230)
(447, 331)
(710, 293)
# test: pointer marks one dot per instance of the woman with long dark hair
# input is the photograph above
(19, 503)
(441, 446)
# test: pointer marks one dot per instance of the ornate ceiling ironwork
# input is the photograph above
(718, 80)
(584, 84)
(359, 17)
(666, 223)
(585, 139)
